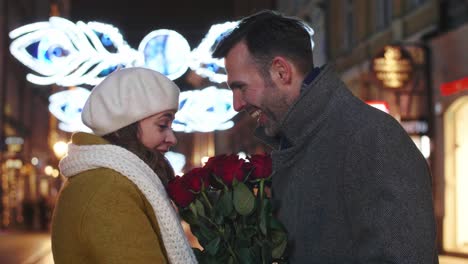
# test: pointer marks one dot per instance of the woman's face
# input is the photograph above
(155, 132)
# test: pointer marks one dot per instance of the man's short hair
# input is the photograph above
(268, 34)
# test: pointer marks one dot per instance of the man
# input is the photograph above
(349, 184)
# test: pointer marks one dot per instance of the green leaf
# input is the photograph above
(213, 246)
(248, 232)
(199, 207)
(218, 219)
(203, 233)
(244, 200)
(188, 216)
(193, 208)
(246, 256)
(206, 258)
(279, 239)
(278, 251)
(241, 242)
(224, 205)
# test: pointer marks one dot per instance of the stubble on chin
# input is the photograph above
(271, 128)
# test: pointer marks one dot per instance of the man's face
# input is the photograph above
(260, 97)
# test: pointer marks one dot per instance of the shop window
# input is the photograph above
(383, 14)
(455, 238)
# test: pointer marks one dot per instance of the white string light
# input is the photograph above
(201, 60)
(165, 51)
(204, 110)
(66, 106)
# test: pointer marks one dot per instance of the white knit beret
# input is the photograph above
(127, 96)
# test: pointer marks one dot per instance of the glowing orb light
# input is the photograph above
(165, 51)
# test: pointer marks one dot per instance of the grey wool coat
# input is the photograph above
(352, 187)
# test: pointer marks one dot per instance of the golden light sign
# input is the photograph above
(393, 67)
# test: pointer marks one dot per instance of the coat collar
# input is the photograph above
(82, 138)
(307, 113)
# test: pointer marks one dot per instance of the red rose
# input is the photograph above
(227, 167)
(179, 192)
(260, 165)
(195, 177)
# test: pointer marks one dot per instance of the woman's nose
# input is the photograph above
(171, 138)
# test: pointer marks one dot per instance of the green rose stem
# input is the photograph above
(262, 186)
(262, 195)
(207, 201)
(219, 230)
(232, 252)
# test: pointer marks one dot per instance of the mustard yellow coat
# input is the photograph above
(102, 217)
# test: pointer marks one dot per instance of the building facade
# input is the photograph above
(27, 131)
(449, 75)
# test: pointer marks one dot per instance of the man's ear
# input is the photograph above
(281, 70)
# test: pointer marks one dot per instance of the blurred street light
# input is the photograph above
(60, 149)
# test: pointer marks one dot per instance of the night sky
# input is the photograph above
(136, 18)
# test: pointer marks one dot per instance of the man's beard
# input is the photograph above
(274, 107)
(275, 116)
(271, 125)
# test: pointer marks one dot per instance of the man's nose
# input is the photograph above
(237, 100)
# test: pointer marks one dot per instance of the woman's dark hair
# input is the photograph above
(268, 34)
(127, 137)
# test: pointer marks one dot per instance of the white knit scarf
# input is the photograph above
(87, 157)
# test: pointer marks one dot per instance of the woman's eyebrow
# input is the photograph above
(168, 115)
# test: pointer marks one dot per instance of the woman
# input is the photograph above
(113, 208)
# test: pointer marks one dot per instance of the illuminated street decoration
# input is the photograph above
(393, 67)
(165, 51)
(66, 106)
(201, 110)
(69, 54)
(204, 110)
(201, 60)
(177, 161)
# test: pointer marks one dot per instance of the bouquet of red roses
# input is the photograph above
(228, 210)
